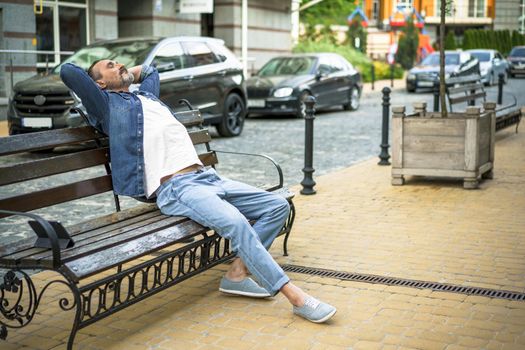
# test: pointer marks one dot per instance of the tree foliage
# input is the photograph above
(450, 41)
(327, 12)
(407, 45)
(357, 33)
(501, 40)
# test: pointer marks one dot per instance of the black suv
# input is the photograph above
(201, 70)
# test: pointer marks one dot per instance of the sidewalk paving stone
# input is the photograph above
(429, 229)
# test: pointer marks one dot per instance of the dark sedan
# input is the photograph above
(426, 74)
(282, 84)
(516, 60)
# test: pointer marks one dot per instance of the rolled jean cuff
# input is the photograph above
(277, 286)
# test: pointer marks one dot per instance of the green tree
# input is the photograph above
(407, 45)
(516, 40)
(356, 37)
(324, 14)
(450, 41)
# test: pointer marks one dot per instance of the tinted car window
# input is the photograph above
(326, 65)
(170, 57)
(337, 65)
(518, 51)
(433, 60)
(130, 54)
(200, 53)
(481, 56)
(287, 66)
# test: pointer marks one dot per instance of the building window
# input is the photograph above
(403, 5)
(62, 27)
(476, 8)
(375, 9)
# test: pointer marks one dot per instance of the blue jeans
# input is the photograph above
(226, 206)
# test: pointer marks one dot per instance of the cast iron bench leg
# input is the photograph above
(19, 301)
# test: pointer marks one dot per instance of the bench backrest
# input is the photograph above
(12, 172)
(465, 89)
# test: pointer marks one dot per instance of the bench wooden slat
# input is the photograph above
(47, 139)
(463, 79)
(189, 118)
(51, 166)
(200, 136)
(454, 100)
(208, 158)
(463, 88)
(122, 253)
(56, 195)
(97, 241)
(18, 250)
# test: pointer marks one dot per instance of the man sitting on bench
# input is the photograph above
(152, 154)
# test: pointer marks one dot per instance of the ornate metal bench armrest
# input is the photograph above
(48, 230)
(277, 166)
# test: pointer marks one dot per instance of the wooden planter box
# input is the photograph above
(459, 146)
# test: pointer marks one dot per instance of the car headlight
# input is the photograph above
(411, 76)
(484, 71)
(447, 75)
(283, 92)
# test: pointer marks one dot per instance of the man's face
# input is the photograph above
(113, 75)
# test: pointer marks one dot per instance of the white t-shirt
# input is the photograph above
(167, 145)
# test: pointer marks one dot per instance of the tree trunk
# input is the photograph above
(443, 10)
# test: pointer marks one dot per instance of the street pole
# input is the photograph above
(308, 182)
(501, 81)
(384, 156)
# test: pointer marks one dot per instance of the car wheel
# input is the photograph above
(301, 108)
(353, 99)
(234, 112)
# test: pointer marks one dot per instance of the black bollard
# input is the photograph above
(373, 74)
(501, 81)
(308, 182)
(436, 96)
(391, 75)
(383, 156)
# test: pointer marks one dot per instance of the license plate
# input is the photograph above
(37, 122)
(425, 83)
(256, 103)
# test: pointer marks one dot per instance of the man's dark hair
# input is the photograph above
(94, 73)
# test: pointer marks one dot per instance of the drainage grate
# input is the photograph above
(393, 281)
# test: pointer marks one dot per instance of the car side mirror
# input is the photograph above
(165, 67)
(319, 74)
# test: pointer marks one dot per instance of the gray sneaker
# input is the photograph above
(314, 310)
(247, 287)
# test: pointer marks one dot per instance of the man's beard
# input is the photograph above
(126, 79)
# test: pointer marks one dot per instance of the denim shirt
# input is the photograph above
(118, 115)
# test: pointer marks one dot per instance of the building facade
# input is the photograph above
(64, 26)
(464, 14)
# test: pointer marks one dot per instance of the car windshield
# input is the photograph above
(287, 66)
(130, 54)
(433, 60)
(481, 56)
(518, 51)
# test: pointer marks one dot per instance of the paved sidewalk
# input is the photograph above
(357, 222)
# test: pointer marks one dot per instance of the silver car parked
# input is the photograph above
(491, 64)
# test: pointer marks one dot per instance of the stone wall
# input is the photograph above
(16, 35)
(507, 14)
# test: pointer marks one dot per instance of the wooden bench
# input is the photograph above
(117, 259)
(470, 88)
(465, 89)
